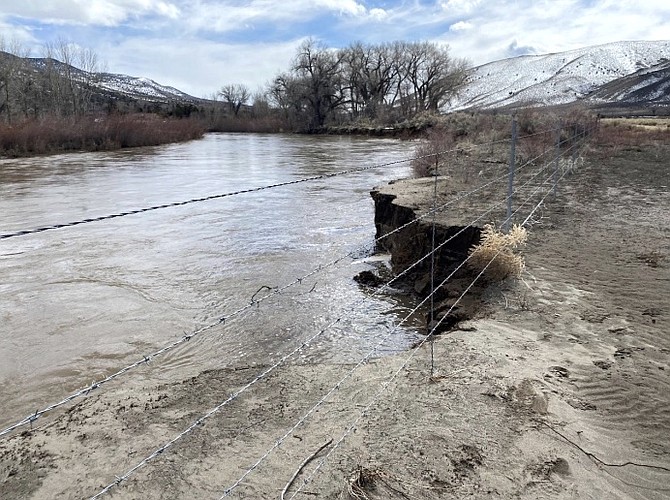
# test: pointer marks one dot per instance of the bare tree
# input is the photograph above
(286, 93)
(87, 61)
(70, 74)
(372, 72)
(235, 95)
(431, 76)
(320, 83)
(12, 70)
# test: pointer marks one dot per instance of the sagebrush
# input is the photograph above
(496, 254)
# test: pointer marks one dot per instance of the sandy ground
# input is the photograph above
(559, 389)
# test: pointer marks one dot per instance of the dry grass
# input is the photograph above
(497, 250)
(632, 132)
(373, 484)
(432, 154)
(654, 123)
(89, 133)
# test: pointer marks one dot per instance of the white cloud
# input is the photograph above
(350, 7)
(378, 14)
(225, 16)
(10, 33)
(222, 17)
(91, 12)
(199, 67)
(459, 6)
(461, 26)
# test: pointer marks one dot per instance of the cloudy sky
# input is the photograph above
(200, 45)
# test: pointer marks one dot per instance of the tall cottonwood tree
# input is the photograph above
(372, 73)
(431, 76)
(235, 96)
(320, 83)
(381, 82)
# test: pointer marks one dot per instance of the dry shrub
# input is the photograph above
(54, 134)
(372, 484)
(362, 482)
(432, 153)
(626, 133)
(497, 251)
(263, 124)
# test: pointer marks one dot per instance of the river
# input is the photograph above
(78, 303)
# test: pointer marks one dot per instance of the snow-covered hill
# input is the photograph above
(114, 85)
(647, 86)
(140, 88)
(562, 77)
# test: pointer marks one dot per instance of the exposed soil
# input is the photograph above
(560, 388)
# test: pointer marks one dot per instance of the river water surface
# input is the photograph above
(78, 303)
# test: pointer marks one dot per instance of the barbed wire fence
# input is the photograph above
(277, 443)
(223, 318)
(387, 384)
(545, 183)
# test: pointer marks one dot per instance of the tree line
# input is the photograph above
(383, 84)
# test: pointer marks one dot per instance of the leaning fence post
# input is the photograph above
(556, 158)
(510, 184)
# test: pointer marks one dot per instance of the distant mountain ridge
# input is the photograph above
(140, 88)
(632, 73)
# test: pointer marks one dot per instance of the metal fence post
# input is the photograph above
(510, 184)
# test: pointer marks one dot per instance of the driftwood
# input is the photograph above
(302, 466)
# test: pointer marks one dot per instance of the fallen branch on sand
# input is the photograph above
(302, 466)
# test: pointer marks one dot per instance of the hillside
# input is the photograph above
(630, 72)
(35, 86)
(141, 88)
(649, 85)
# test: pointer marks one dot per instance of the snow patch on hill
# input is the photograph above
(140, 88)
(556, 78)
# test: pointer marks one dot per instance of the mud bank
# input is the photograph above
(409, 243)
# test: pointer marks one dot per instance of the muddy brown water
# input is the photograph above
(77, 304)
